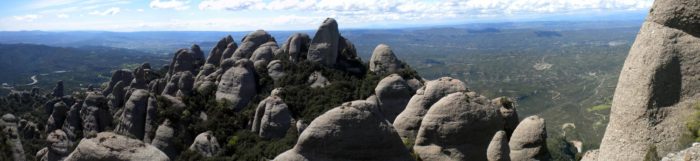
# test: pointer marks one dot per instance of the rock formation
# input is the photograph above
(95, 115)
(272, 118)
(107, 146)
(216, 53)
(692, 153)
(392, 95)
(275, 70)
(206, 145)
(57, 148)
(317, 80)
(8, 122)
(658, 84)
(353, 131)
(408, 121)
(263, 54)
(58, 90)
(296, 47)
(529, 140)
(133, 119)
(73, 125)
(250, 43)
(324, 46)
(198, 56)
(183, 61)
(57, 117)
(508, 113)
(238, 84)
(458, 127)
(116, 98)
(164, 140)
(119, 75)
(383, 60)
(498, 148)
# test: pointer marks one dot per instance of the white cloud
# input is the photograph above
(29, 17)
(170, 4)
(63, 15)
(139, 10)
(233, 5)
(110, 11)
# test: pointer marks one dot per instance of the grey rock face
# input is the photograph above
(217, 51)
(275, 70)
(57, 117)
(164, 139)
(8, 122)
(392, 95)
(141, 77)
(58, 90)
(508, 113)
(458, 127)
(119, 75)
(250, 43)
(657, 85)
(58, 146)
(498, 148)
(206, 145)
(408, 121)
(301, 126)
(692, 153)
(116, 99)
(73, 126)
(263, 55)
(228, 52)
(151, 114)
(133, 119)
(272, 118)
(107, 146)
(198, 56)
(529, 140)
(317, 80)
(297, 46)
(353, 131)
(592, 155)
(185, 84)
(201, 77)
(95, 115)
(238, 84)
(324, 45)
(183, 61)
(384, 61)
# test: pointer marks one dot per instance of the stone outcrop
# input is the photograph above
(529, 140)
(58, 90)
(133, 119)
(457, 127)
(275, 70)
(508, 112)
(73, 125)
(272, 118)
(164, 140)
(296, 46)
(392, 95)
(263, 54)
(107, 146)
(692, 153)
(324, 46)
(118, 75)
(57, 117)
(95, 115)
(498, 148)
(228, 52)
(216, 53)
(142, 76)
(384, 61)
(317, 80)
(238, 84)
(408, 121)
(591, 155)
(658, 85)
(198, 56)
(250, 43)
(353, 131)
(183, 61)
(8, 122)
(58, 147)
(151, 116)
(206, 145)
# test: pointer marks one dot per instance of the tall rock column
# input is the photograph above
(658, 84)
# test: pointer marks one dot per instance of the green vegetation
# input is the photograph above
(693, 123)
(599, 108)
(652, 154)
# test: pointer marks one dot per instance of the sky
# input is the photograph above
(246, 15)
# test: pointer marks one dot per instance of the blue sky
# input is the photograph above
(244, 15)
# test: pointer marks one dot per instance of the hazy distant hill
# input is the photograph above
(83, 65)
